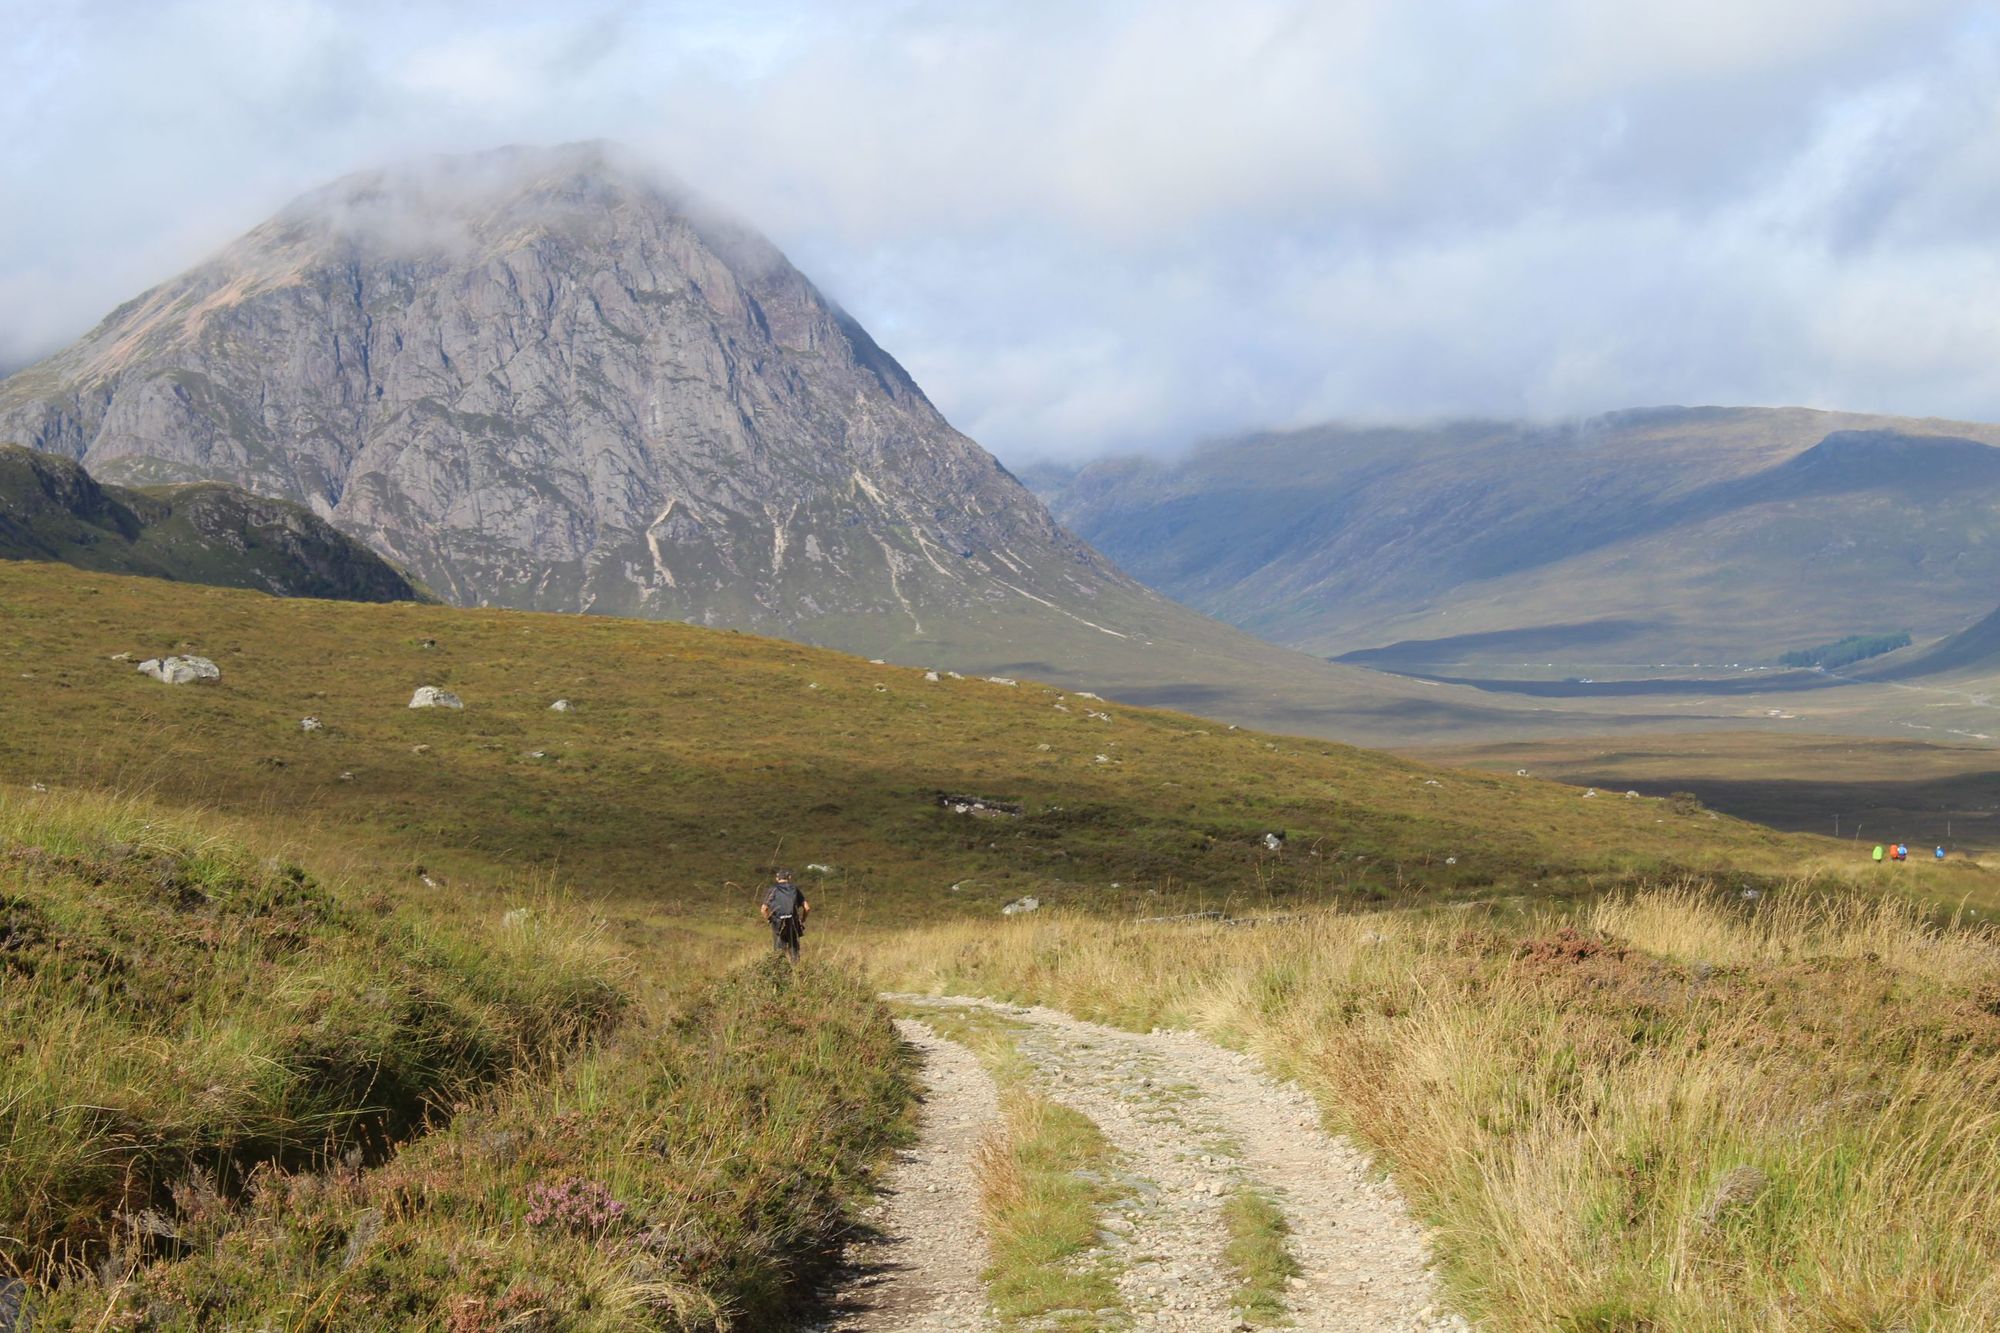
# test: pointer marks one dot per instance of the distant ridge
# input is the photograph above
(52, 509)
(1665, 537)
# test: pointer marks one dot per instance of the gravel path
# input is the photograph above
(1193, 1122)
(918, 1270)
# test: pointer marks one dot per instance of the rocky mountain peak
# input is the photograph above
(552, 378)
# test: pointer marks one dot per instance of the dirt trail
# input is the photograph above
(918, 1269)
(1194, 1122)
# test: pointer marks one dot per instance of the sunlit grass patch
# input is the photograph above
(1043, 1190)
(1258, 1255)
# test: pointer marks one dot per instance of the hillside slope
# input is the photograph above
(1673, 535)
(690, 758)
(51, 509)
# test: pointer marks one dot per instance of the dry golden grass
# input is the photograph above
(1671, 1110)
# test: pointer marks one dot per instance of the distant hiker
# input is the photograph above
(1879, 849)
(1902, 852)
(1940, 853)
(785, 907)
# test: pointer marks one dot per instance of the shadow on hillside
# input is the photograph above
(1538, 639)
(1769, 682)
(1960, 811)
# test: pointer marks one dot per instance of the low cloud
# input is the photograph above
(1131, 224)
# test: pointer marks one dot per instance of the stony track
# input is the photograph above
(1193, 1122)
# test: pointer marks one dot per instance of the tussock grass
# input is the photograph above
(174, 1010)
(1675, 1109)
(1258, 1255)
(691, 1174)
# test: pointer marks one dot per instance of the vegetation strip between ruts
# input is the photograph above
(1044, 1186)
(1258, 1255)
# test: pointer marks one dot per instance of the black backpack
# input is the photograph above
(784, 900)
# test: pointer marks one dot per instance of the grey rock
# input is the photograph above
(547, 379)
(1020, 906)
(430, 696)
(311, 724)
(560, 706)
(180, 670)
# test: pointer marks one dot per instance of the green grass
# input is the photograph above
(693, 758)
(693, 1174)
(1043, 1188)
(1258, 1255)
(258, 1023)
(177, 1010)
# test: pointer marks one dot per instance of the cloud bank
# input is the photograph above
(1131, 224)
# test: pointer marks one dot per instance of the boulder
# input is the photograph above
(180, 670)
(430, 696)
(559, 706)
(311, 724)
(1018, 906)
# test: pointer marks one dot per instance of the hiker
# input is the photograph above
(1902, 852)
(785, 907)
(1878, 853)
(1940, 852)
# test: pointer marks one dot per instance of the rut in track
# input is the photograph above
(917, 1268)
(1193, 1123)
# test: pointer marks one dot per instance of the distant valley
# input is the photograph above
(1664, 542)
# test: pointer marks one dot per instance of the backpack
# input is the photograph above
(784, 900)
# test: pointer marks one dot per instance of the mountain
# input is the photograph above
(1674, 535)
(545, 379)
(52, 509)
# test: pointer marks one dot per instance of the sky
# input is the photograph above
(1096, 227)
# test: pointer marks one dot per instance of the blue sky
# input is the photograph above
(1088, 227)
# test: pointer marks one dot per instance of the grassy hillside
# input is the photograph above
(51, 509)
(176, 1010)
(236, 1089)
(695, 1174)
(691, 759)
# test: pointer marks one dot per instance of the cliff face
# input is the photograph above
(52, 509)
(538, 378)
